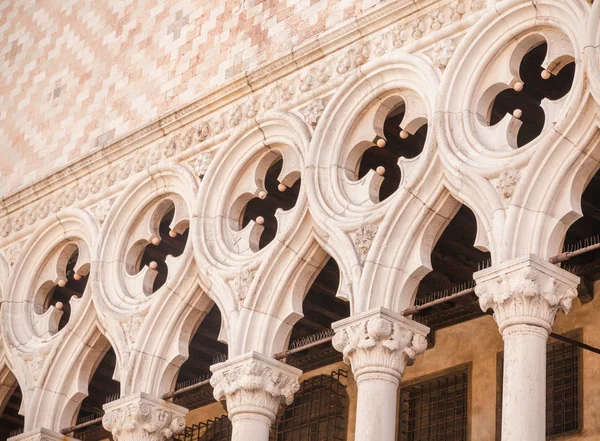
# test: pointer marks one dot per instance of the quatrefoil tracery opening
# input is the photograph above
(57, 293)
(403, 138)
(153, 252)
(276, 193)
(534, 85)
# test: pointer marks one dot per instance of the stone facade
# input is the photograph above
(149, 109)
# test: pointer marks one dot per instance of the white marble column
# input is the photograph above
(143, 417)
(525, 295)
(378, 344)
(254, 387)
(41, 435)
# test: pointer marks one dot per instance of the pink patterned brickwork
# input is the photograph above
(75, 75)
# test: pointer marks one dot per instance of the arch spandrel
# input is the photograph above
(380, 243)
(143, 320)
(251, 277)
(519, 192)
(52, 361)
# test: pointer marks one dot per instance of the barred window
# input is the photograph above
(435, 410)
(218, 429)
(319, 411)
(563, 398)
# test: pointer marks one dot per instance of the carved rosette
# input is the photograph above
(254, 384)
(526, 290)
(379, 342)
(142, 417)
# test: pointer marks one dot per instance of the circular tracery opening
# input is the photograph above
(70, 283)
(383, 154)
(524, 99)
(276, 195)
(153, 252)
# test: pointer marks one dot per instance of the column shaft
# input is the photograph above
(250, 427)
(376, 407)
(524, 383)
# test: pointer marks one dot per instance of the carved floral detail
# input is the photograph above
(288, 90)
(418, 28)
(201, 164)
(12, 252)
(241, 284)
(236, 116)
(144, 420)
(364, 239)
(188, 139)
(442, 52)
(251, 108)
(254, 382)
(400, 35)
(307, 81)
(458, 8)
(133, 324)
(313, 111)
(101, 210)
(203, 131)
(438, 18)
(171, 147)
(507, 183)
(531, 292)
(379, 343)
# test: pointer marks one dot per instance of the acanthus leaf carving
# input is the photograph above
(241, 284)
(141, 417)
(526, 291)
(313, 111)
(379, 341)
(101, 210)
(363, 240)
(255, 383)
(132, 325)
(201, 164)
(507, 182)
(442, 53)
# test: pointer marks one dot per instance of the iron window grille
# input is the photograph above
(436, 409)
(218, 429)
(319, 411)
(563, 389)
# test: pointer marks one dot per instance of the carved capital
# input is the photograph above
(142, 417)
(254, 384)
(41, 435)
(526, 290)
(379, 342)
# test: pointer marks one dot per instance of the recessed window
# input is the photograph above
(436, 409)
